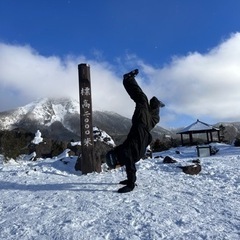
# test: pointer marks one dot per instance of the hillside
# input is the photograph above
(60, 119)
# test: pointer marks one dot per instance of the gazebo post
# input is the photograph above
(207, 137)
(191, 138)
(211, 136)
(218, 136)
(182, 139)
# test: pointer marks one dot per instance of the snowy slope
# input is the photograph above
(45, 111)
(47, 199)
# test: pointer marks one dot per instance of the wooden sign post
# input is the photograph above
(85, 162)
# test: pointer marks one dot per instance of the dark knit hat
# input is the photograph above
(155, 103)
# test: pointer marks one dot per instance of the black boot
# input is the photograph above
(124, 182)
(127, 188)
(133, 73)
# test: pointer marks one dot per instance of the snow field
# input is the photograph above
(47, 199)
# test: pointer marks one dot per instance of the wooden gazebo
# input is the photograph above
(199, 127)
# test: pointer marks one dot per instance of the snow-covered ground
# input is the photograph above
(47, 199)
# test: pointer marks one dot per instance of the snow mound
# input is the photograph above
(38, 137)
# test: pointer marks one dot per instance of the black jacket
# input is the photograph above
(144, 119)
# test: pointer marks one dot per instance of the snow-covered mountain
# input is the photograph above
(56, 117)
(46, 111)
(60, 118)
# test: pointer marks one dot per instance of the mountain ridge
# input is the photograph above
(60, 118)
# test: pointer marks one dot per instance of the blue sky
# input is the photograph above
(186, 51)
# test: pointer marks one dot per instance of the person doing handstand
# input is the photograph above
(144, 119)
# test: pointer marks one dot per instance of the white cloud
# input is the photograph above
(198, 85)
(27, 75)
(203, 85)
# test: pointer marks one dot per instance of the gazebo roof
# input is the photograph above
(198, 127)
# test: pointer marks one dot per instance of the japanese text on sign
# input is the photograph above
(86, 105)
